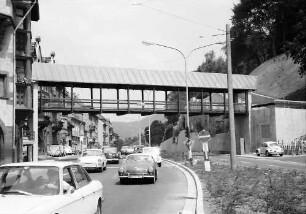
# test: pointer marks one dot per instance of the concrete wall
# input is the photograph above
(290, 123)
(242, 129)
(219, 143)
(261, 118)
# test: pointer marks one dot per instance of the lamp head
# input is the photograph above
(147, 43)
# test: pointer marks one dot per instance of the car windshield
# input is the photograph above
(29, 180)
(92, 153)
(110, 150)
(273, 144)
(139, 158)
(151, 150)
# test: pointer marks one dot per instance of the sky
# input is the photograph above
(109, 33)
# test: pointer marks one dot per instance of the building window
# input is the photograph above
(21, 43)
(3, 85)
(265, 131)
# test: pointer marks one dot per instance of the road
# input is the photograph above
(166, 196)
(286, 162)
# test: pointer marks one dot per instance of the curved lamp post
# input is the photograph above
(186, 80)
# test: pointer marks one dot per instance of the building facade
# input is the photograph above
(16, 106)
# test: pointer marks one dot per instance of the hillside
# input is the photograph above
(279, 78)
(131, 129)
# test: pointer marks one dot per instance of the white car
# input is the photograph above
(48, 187)
(93, 159)
(269, 148)
(154, 151)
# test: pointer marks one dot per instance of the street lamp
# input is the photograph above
(186, 80)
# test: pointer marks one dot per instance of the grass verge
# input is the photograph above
(249, 190)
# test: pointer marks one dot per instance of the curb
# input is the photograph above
(194, 198)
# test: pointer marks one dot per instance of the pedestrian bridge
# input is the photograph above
(207, 92)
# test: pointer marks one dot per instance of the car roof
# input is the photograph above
(269, 142)
(59, 164)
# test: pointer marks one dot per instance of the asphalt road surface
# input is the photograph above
(166, 196)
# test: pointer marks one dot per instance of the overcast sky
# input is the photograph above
(109, 32)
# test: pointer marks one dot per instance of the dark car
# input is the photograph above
(112, 155)
(138, 166)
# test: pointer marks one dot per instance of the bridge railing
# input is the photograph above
(135, 105)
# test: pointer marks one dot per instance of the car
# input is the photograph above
(48, 187)
(112, 155)
(269, 148)
(126, 150)
(138, 166)
(154, 151)
(55, 151)
(93, 159)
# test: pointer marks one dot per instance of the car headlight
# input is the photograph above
(121, 170)
(150, 169)
(99, 160)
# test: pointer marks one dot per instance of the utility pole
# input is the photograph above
(230, 98)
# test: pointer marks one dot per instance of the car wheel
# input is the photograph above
(267, 153)
(281, 155)
(159, 164)
(99, 208)
(105, 167)
(257, 153)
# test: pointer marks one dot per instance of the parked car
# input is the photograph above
(154, 151)
(269, 148)
(48, 187)
(126, 150)
(93, 159)
(137, 166)
(55, 151)
(112, 154)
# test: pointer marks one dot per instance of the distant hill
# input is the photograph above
(279, 78)
(131, 128)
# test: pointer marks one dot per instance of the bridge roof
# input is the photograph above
(49, 73)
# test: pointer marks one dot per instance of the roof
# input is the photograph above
(47, 163)
(118, 77)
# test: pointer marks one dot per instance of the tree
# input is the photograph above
(157, 132)
(263, 29)
(212, 65)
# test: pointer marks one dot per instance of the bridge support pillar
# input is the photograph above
(35, 121)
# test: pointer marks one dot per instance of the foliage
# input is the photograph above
(254, 190)
(118, 143)
(213, 65)
(157, 133)
(263, 29)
